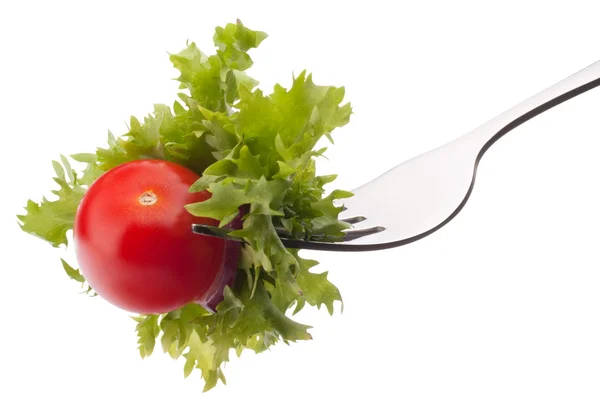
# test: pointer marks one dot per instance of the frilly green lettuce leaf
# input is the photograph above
(254, 151)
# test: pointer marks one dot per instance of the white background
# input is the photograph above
(499, 309)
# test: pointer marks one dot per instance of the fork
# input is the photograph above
(418, 197)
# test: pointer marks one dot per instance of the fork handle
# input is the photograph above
(485, 136)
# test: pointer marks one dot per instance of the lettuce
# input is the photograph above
(252, 150)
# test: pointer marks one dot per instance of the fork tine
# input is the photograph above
(214, 232)
(355, 234)
(354, 220)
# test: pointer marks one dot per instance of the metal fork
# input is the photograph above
(420, 196)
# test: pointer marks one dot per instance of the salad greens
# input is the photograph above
(251, 149)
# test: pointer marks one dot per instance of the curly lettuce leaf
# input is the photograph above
(254, 151)
(51, 220)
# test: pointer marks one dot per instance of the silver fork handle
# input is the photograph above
(484, 136)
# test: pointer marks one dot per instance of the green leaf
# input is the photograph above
(287, 328)
(201, 76)
(90, 174)
(234, 41)
(71, 176)
(201, 355)
(300, 115)
(85, 157)
(72, 272)
(147, 330)
(58, 169)
(235, 80)
(51, 220)
(317, 290)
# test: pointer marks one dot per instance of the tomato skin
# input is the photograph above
(134, 242)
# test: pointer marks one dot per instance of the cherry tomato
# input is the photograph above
(134, 242)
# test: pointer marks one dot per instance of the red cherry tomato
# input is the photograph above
(134, 242)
